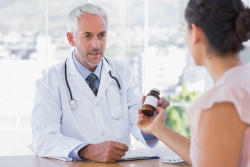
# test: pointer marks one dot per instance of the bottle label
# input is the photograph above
(151, 100)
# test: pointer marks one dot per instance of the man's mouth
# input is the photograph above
(95, 53)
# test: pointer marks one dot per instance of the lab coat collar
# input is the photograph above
(105, 80)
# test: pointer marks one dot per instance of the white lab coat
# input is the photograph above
(57, 129)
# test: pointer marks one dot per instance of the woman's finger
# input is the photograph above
(139, 111)
(143, 99)
(162, 102)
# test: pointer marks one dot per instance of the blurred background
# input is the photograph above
(145, 34)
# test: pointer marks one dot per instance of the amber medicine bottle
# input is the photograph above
(151, 102)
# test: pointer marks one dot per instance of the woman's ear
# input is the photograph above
(70, 38)
(197, 34)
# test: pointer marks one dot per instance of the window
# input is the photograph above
(145, 34)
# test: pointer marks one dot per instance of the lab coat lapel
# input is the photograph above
(105, 80)
(75, 78)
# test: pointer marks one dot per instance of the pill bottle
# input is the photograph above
(151, 102)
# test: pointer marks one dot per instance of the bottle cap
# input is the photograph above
(156, 90)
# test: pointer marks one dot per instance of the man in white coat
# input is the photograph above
(86, 107)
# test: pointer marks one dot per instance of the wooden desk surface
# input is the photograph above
(35, 161)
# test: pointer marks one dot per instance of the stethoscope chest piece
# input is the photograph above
(73, 104)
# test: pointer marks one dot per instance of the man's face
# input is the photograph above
(90, 40)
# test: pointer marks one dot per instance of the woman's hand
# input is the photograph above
(151, 125)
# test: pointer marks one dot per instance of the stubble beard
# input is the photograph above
(84, 59)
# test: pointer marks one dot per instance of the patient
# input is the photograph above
(220, 118)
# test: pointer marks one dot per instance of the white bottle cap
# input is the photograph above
(156, 90)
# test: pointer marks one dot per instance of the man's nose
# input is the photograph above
(95, 43)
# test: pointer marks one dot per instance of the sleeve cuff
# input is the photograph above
(74, 153)
(148, 136)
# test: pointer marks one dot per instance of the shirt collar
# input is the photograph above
(84, 71)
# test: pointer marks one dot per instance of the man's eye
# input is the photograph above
(87, 36)
(102, 35)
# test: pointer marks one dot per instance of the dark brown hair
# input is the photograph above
(226, 23)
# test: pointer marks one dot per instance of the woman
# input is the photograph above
(220, 118)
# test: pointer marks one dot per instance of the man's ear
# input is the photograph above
(197, 33)
(70, 38)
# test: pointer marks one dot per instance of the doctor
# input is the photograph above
(86, 107)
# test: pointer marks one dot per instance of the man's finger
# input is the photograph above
(118, 152)
(120, 146)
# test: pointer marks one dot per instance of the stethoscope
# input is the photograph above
(74, 103)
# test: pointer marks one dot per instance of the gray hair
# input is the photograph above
(80, 10)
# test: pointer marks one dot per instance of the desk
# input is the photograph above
(35, 161)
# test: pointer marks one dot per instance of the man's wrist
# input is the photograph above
(74, 153)
(84, 153)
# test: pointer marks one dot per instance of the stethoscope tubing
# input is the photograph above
(66, 79)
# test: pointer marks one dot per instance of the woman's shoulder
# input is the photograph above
(233, 87)
(235, 90)
(239, 75)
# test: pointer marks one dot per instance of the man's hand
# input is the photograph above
(108, 151)
(162, 102)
